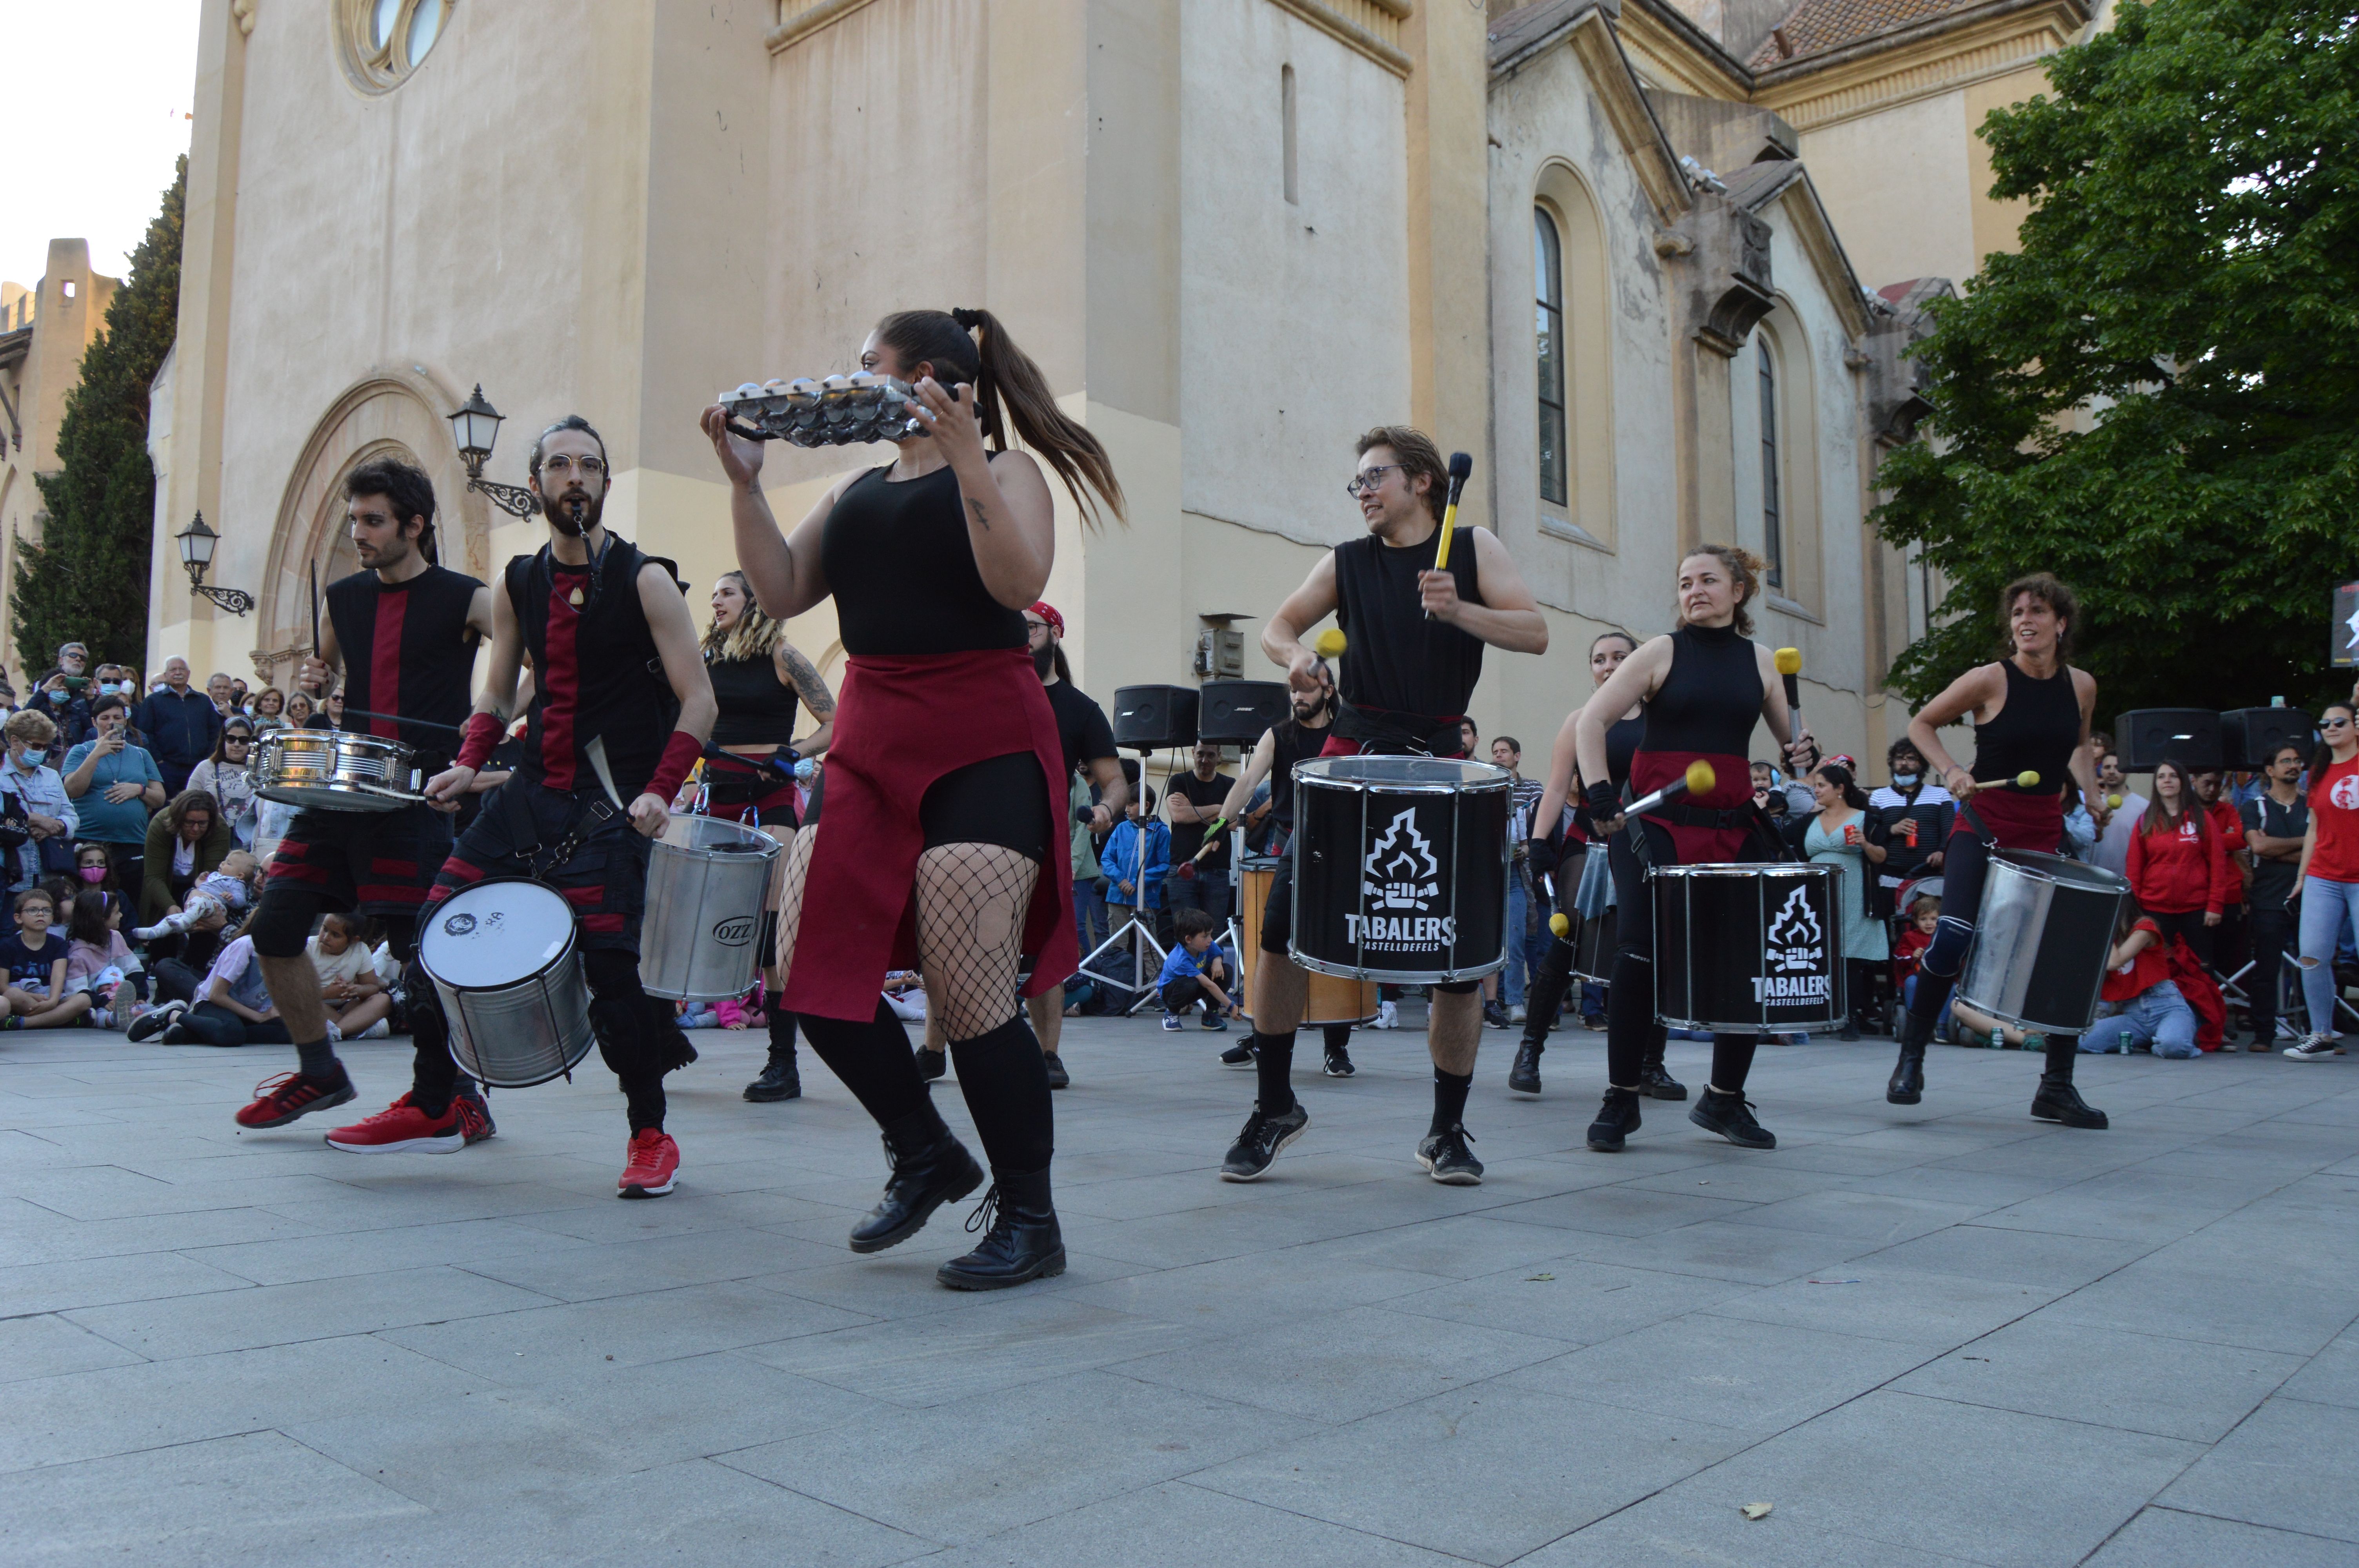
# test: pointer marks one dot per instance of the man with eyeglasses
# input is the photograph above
(1415, 651)
(404, 630)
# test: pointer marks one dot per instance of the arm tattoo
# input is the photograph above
(808, 685)
(979, 515)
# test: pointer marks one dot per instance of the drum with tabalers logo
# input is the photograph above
(503, 958)
(1744, 949)
(708, 887)
(1400, 867)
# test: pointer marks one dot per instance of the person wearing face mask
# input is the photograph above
(116, 786)
(1915, 814)
(48, 811)
(69, 709)
(759, 679)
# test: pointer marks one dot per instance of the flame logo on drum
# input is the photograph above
(1795, 953)
(1399, 865)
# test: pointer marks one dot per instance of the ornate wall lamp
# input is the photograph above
(197, 543)
(477, 426)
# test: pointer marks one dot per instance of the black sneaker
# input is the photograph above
(1656, 1083)
(1731, 1116)
(1240, 1054)
(1446, 1158)
(1215, 1022)
(1616, 1119)
(932, 1065)
(1058, 1077)
(2062, 1102)
(150, 1024)
(1261, 1142)
(1524, 1077)
(1494, 1015)
(1339, 1063)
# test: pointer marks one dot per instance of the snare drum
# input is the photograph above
(1400, 867)
(1328, 999)
(503, 958)
(1747, 950)
(2041, 939)
(336, 770)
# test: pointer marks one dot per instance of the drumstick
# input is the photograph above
(1790, 665)
(315, 610)
(1462, 466)
(2023, 780)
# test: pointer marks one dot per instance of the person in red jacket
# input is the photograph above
(2178, 867)
(2231, 943)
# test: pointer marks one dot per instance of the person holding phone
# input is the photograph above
(116, 786)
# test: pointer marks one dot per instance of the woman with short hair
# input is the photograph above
(117, 784)
(48, 811)
(227, 775)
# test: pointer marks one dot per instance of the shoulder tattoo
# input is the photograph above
(804, 677)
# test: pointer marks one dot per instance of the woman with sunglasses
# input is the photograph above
(226, 776)
(116, 786)
(2327, 880)
(331, 713)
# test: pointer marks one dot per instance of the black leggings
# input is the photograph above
(210, 1024)
(1000, 800)
(1630, 1027)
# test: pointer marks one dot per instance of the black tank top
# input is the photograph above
(758, 708)
(1623, 738)
(1289, 743)
(1396, 660)
(596, 673)
(1712, 697)
(2036, 729)
(407, 650)
(902, 570)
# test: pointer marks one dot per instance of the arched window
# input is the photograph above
(1772, 520)
(1548, 287)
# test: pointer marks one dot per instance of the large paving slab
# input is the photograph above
(1938, 1335)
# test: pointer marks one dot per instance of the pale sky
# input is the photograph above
(94, 110)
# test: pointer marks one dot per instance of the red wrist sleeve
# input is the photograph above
(483, 734)
(680, 753)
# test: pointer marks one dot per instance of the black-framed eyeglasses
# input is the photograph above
(1369, 479)
(239, 736)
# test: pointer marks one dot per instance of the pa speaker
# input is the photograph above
(1153, 716)
(2188, 736)
(2247, 735)
(1235, 712)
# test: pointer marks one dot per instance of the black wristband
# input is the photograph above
(1604, 801)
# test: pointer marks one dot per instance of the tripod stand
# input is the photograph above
(1139, 932)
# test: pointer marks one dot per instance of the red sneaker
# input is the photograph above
(474, 1116)
(653, 1165)
(402, 1129)
(280, 1100)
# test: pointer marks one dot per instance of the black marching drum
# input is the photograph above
(1400, 867)
(1744, 949)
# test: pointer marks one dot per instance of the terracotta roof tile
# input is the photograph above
(1815, 27)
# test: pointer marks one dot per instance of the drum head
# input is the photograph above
(494, 934)
(1445, 775)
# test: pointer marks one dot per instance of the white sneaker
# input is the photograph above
(101, 1018)
(2314, 1048)
(335, 1035)
(380, 1030)
(1516, 1014)
(1387, 1016)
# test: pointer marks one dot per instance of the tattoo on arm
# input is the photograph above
(808, 685)
(980, 515)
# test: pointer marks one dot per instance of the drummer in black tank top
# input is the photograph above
(1414, 651)
(759, 680)
(1706, 685)
(2031, 713)
(941, 838)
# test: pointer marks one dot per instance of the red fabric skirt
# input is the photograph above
(902, 723)
(1731, 789)
(2018, 820)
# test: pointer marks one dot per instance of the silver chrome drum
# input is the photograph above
(336, 770)
(2041, 939)
(1400, 867)
(707, 887)
(502, 957)
(1744, 949)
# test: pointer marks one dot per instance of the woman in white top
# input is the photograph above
(225, 775)
(27, 776)
(1843, 833)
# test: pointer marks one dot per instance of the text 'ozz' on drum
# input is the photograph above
(336, 770)
(502, 957)
(1400, 867)
(707, 887)
(2041, 938)
(1744, 949)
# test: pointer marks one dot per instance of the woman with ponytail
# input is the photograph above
(937, 838)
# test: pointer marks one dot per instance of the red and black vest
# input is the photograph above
(408, 651)
(596, 673)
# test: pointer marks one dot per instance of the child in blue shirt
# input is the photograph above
(35, 959)
(1120, 857)
(1194, 971)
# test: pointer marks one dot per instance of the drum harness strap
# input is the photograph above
(586, 825)
(1382, 728)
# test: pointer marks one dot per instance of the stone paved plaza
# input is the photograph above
(1934, 1336)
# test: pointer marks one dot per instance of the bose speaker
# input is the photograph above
(2247, 735)
(1235, 712)
(2188, 736)
(1153, 716)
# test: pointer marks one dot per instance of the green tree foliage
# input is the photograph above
(2156, 397)
(86, 580)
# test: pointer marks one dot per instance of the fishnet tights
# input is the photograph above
(971, 900)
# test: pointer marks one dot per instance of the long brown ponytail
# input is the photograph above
(1008, 390)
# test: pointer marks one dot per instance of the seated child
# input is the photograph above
(2141, 1001)
(232, 1007)
(1909, 952)
(358, 1002)
(34, 961)
(905, 993)
(98, 961)
(1194, 971)
(227, 892)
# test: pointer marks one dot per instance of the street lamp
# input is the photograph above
(197, 543)
(476, 425)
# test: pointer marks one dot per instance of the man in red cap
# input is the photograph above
(1090, 754)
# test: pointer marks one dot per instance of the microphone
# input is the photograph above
(1697, 779)
(1462, 468)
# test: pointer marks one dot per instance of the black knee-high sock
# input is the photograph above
(1273, 1061)
(1732, 1059)
(1006, 1082)
(1449, 1099)
(874, 1061)
(782, 1023)
(2063, 1050)
(1629, 1019)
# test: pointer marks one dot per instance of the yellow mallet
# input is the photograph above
(2027, 779)
(1329, 645)
(1560, 925)
(1698, 779)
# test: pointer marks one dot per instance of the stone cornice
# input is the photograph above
(1689, 59)
(1589, 33)
(1371, 28)
(1931, 57)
